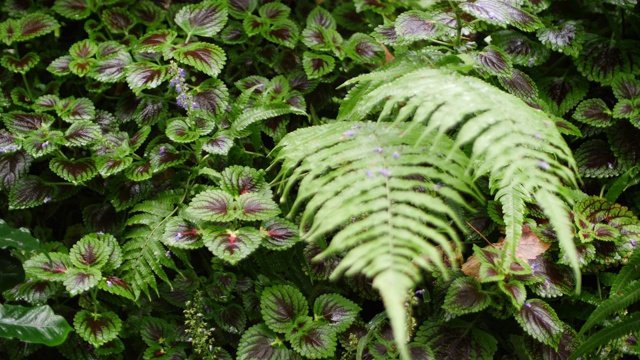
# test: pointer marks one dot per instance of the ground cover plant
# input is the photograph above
(250, 179)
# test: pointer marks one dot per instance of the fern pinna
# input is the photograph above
(391, 193)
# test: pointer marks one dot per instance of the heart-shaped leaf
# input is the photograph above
(231, 318)
(567, 346)
(139, 171)
(71, 109)
(179, 131)
(33, 25)
(465, 296)
(31, 191)
(625, 86)
(83, 49)
(239, 9)
(539, 320)
(566, 37)
(595, 159)
(279, 234)
(457, 340)
(284, 32)
(204, 19)
(116, 286)
(74, 171)
(321, 17)
(253, 206)
(520, 85)
(238, 180)
(261, 343)
(515, 291)
(218, 144)
(150, 111)
(315, 341)
(45, 103)
(108, 165)
(181, 234)
(13, 166)
(50, 267)
(97, 328)
(254, 25)
(72, 9)
(78, 281)
(212, 99)
(60, 66)
(155, 331)
(317, 65)
(594, 112)
(38, 325)
(563, 93)
(118, 20)
(20, 65)
(338, 311)
(605, 59)
(212, 205)
(156, 41)
(89, 252)
(222, 284)
(208, 58)
(232, 245)
(148, 13)
(144, 75)
(274, 11)
(280, 306)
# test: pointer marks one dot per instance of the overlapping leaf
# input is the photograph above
(281, 305)
(208, 58)
(20, 65)
(204, 19)
(97, 328)
(259, 342)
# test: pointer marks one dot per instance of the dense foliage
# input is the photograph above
(365, 179)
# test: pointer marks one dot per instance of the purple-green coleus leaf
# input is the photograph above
(60, 66)
(563, 93)
(45, 103)
(77, 281)
(81, 67)
(623, 139)
(139, 170)
(42, 142)
(20, 65)
(259, 342)
(30, 191)
(97, 328)
(221, 286)
(465, 296)
(212, 205)
(321, 17)
(321, 39)
(283, 32)
(116, 286)
(118, 20)
(254, 25)
(12, 167)
(540, 321)
(148, 13)
(501, 13)
(81, 133)
(180, 131)
(33, 292)
(379, 6)
(566, 347)
(27, 27)
(317, 65)
(74, 171)
(595, 159)
(111, 69)
(231, 318)
(515, 291)
(164, 156)
(149, 111)
(457, 339)
(212, 99)
(22, 123)
(279, 234)
(8, 142)
(315, 341)
(231, 245)
(239, 9)
(274, 11)
(89, 251)
(181, 234)
(233, 33)
(415, 25)
(204, 19)
(603, 59)
(72, 9)
(520, 85)
(522, 50)
(338, 311)
(145, 75)
(494, 61)
(155, 331)
(72, 109)
(253, 206)
(594, 112)
(626, 87)
(156, 41)
(363, 48)
(281, 305)
(83, 49)
(110, 165)
(49, 267)
(208, 58)
(220, 143)
(565, 37)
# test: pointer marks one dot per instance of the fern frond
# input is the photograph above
(144, 254)
(630, 324)
(628, 273)
(618, 302)
(518, 147)
(392, 203)
(262, 112)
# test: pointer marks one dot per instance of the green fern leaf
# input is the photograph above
(262, 113)
(617, 302)
(627, 274)
(603, 337)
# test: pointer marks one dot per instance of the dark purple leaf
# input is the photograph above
(71, 110)
(139, 171)
(156, 41)
(150, 111)
(465, 296)
(111, 69)
(415, 25)
(280, 306)
(72, 9)
(208, 58)
(212, 205)
(12, 167)
(83, 49)
(231, 318)
(204, 19)
(259, 83)
(459, 340)
(254, 25)
(259, 342)
(321, 17)
(625, 86)
(623, 139)
(595, 159)
(118, 20)
(51, 267)
(20, 65)
(74, 171)
(81, 133)
(540, 321)
(317, 65)
(568, 344)
(36, 24)
(23, 123)
(602, 59)
(148, 13)
(279, 234)
(181, 234)
(164, 156)
(520, 85)
(60, 66)
(283, 32)
(212, 99)
(145, 75)
(563, 93)
(89, 252)
(386, 34)
(78, 281)
(239, 9)
(81, 67)
(338, 311)
(222, 284)
(523, 51)
(155, 331)
(365, 49)
(45, 102)
(219, 144)
(31, 191)
(495, 61)
(315, 341)
(594, 112)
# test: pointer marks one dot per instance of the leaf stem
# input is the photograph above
(26, 85)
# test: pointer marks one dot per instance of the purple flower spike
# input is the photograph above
(172, 82)
(348, 133)
(45, 144)
(179, 88)
(162, 150)
(385, 172)
(195, 105)
(377, 150)
(396, 154)
(183, 74)
(634, 243)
